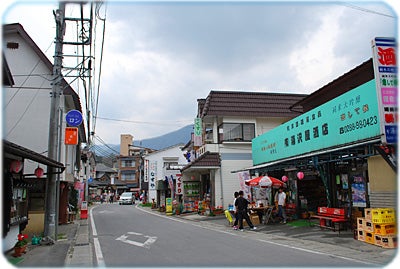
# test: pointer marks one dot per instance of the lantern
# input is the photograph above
(16, 166)
(285, 178)
(39, 172)
(300, 175)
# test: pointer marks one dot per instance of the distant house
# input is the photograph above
(130, 164)
(230, 120)
(104, 181)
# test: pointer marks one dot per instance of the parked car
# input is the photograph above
(126, 198)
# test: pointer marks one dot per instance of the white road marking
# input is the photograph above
(149, 241)
(99, 254)
(94, 231)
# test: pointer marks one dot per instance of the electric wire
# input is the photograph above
(27, 78)
(100, 64)
(173, 122)
(365, 10)
(25, 111)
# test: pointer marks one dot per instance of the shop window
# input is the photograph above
(19, 207)
(230, 132)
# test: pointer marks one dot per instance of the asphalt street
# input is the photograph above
(129, 236)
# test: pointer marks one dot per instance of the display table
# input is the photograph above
(264, 211)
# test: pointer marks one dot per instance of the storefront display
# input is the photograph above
(191, 195)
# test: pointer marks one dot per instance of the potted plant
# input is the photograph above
(20, 246)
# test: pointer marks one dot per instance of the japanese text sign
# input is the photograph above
(71, 136)
(350, 117)
(385, 70)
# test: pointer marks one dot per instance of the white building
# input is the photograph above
(161, 171)
(230, 120)
(26, 117)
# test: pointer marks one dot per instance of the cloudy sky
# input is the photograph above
(160, 57)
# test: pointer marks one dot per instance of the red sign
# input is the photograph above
(71, 136)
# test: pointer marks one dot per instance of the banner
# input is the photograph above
(385, 70)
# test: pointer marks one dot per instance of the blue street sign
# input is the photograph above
(90, 180)
(73, 118)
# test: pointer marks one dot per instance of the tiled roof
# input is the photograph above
(208, 160)
(255, 104)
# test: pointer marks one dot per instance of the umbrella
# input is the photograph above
(265, 182)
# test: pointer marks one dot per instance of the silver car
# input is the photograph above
(126, 198)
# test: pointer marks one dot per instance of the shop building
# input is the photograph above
(333, 154)
(26, 123)
(226, 123)
(163, 176)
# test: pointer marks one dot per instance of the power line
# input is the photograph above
(365, 10)
(174, 122)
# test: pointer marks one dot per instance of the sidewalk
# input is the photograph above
(73, 249)
(76, 249)
(299, 234)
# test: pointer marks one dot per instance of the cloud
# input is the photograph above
(159, 58)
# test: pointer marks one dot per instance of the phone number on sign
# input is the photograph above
(359, 124)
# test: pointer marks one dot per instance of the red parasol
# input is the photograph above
(265, 182)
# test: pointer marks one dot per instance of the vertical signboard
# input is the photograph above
(146, 171)
(198, 130)
(179, 184)
(385, 70)
(152, 175)
(71, 136)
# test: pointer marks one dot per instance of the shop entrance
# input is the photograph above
(311, 191)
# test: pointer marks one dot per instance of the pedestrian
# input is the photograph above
(241, 209)
(236, 195)
(280, 199)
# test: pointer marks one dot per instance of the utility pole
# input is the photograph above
(50, 221)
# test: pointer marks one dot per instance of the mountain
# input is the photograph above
(179, 136)
(182, 135)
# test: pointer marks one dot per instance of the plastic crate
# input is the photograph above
(383, 215)
(378, 239)
(385, 229)
(360, 235)
(360, 223)
(368, 226)
(380, 215)
(389, 241)
(370, 238)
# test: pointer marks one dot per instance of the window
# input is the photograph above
(127, 163)
(236, 132)
(130, 176)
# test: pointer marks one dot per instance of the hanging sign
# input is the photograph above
(71, 136)
(198, 130)
(73, 118)
(385, 70)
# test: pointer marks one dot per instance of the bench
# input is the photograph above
(329, 217)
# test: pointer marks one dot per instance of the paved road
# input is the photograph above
(131, 237)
